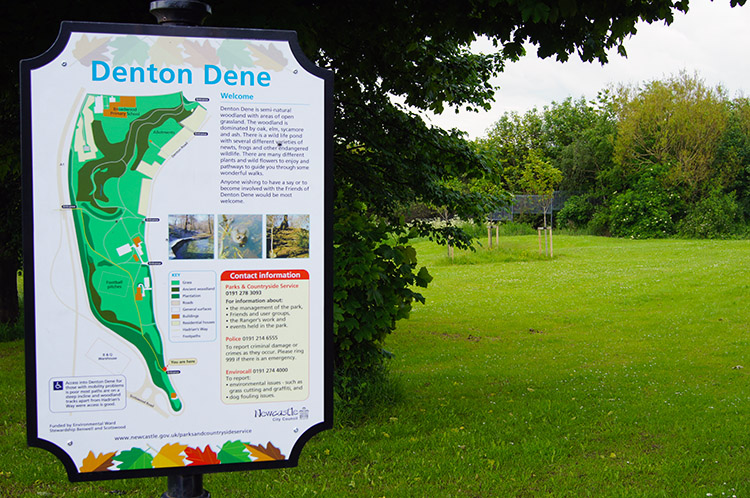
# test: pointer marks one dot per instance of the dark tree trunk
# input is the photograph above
(8, 291)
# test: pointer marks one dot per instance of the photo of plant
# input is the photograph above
(191, 236)
(288, 236)
(241, 236)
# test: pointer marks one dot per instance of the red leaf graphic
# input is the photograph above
(200, 54)
(196, 456)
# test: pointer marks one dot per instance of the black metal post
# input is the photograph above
(186, 487)
(182, 13)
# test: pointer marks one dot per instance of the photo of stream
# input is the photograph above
(191, 236)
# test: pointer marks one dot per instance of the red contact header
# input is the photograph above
(242, 275)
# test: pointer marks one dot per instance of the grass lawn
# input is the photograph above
(619, 369)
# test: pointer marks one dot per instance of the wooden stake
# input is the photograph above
(550, 242)
(539, 236)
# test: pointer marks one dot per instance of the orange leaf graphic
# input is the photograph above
(97, 463)
(268, 57)
(201, 457)
(267, 454)
(170, 456)
(166, 51)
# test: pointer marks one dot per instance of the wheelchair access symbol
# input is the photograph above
(57, 385)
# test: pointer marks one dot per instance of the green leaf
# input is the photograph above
(568, 7)
(423, 277)
(134, 458)
(235, 53)
(234, 452)
(411, 255)
(129, 49)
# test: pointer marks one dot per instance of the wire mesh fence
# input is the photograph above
(532, 204)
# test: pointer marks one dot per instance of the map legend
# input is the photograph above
(192, 310)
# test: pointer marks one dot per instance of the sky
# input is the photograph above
(712, 40)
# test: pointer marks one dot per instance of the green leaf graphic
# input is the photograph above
(234, 452)
(134, 458)
(234, 53)
(129, 49)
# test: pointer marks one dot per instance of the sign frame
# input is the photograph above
(32, 307)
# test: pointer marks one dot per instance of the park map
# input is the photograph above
(118, 146)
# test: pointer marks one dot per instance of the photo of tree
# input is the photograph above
(288, 236)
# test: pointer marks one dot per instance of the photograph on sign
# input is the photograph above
(178, 219)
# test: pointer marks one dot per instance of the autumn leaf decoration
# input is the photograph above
(267, 454)
(166, 51)
(86, 50)
(180, 455)
(196, 456)
(97, 463)
(134, 458)
(268, 57)
(170, 456)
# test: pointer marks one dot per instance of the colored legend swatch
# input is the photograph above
(192, 306)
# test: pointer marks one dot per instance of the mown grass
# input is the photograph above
(619, 369)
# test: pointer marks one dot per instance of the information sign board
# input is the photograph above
(178, 262)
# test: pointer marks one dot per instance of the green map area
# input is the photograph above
(118, 146)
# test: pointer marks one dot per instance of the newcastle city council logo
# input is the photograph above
(284, 414)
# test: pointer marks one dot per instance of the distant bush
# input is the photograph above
(13, 331)
(513, 228)
(715, 216)
(599, 224)
(577, 212)
(644, 211)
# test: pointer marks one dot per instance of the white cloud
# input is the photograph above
(712, 39)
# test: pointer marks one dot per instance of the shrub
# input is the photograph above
(510, 228)
(714, 216)
(577, 212)
(599, 224)
(644, 211)
(374, 281)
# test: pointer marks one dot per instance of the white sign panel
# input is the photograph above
(178, 266)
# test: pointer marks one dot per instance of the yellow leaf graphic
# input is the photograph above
(267, 454)
(97, 463)
(86, 50)
(170, 456)
(268, 57)
(167, 51)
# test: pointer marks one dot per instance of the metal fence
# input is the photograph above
(532, 204)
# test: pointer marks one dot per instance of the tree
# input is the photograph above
(575, 136)
(385, 155)
(679, 123)
(733, 154)
(540, 178)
